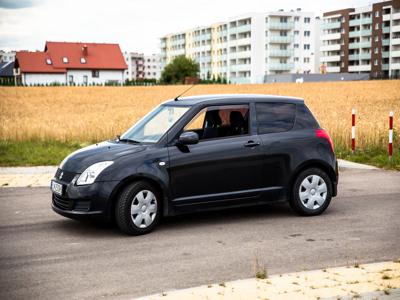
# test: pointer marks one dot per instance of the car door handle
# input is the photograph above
(251, 144)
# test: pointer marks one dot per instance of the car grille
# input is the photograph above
(66, 175)
(62, 203)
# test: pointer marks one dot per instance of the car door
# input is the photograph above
(274, 122)
(224, 165)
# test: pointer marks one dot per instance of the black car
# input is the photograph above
(201, 153)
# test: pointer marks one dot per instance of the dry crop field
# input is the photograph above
(98, 113)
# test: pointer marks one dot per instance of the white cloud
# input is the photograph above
(135, 25)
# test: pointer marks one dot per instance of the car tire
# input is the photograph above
(311, 192)
(138, 208)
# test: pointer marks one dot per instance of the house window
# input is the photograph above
(85, 80)
(296, 46)
(376, 50)
(65, 60)
(48, 61)
(307, 20)
(306, 46)
(95, 73)
(296, 32)
(296, 19)
(83, 60)
(375, 62)
(376, 14)
(296, 59)
(377, 39)
(377, 26)
(307, 33)
(70, 79)
(306, 59)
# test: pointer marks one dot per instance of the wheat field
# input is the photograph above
(99, 113)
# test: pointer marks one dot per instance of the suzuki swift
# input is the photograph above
(201, 153)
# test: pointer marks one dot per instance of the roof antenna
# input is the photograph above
(176, 98)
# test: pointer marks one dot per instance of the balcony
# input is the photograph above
(385, 42)
(334, 47)
(386, 29)
(241, 67)
(332, 69)
(280, 66)
(222, 33)
(281, 53)
(360, 68)
(281, 39)
(331, 36)
(354, 33)
(280, 25)
(396, 28)
(395, 66)
(241, 54)
(239, 29)
(359, 45)
(330, 58)
(386, 54)
(385, 66)
(366, 32)
(359, 22)
(396, 41)
(396, 16)
(330, 25)
(394, 53)
(240, 80)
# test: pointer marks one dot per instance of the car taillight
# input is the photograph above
(320, 133)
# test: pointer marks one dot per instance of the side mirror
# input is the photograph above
(188, 138)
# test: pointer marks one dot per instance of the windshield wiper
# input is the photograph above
(127, 140)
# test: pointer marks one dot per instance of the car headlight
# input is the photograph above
(90, 174)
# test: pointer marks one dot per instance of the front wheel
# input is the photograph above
(311, 193)
(138, 208)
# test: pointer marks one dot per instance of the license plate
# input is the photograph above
(56, 188)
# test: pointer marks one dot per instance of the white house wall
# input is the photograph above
(104, 76)
(39, 78)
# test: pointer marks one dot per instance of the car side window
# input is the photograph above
(220, 121)
(275, 117)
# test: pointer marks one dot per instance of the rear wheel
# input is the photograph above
(138, 208)
(311, 193)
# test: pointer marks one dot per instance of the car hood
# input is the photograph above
(81, 159)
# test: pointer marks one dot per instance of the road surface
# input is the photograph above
(43, 255)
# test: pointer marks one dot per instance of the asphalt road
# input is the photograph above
(43, 255)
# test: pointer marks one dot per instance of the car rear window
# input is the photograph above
(275, 117)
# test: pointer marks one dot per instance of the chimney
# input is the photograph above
(85, 50)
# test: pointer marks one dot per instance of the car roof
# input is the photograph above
(230, 99)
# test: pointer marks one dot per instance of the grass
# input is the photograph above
(52, 152)
(35, 153)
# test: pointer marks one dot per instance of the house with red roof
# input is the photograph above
(71, 64)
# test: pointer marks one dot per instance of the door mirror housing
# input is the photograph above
(188, 138)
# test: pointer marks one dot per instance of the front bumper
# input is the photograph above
(87, 201)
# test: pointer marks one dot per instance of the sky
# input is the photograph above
(135, 25)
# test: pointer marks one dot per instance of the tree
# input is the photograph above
(179, 68)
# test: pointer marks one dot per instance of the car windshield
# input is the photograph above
(155, 124)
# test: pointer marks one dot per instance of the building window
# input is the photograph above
(71, 79)
(296, 46)
(343, 31)
(375, 62)
(296, 32)
(95, 73)
(85, 80)
(342, 64)
(65, 60)
(306, 60)
(377, 39)
(48, 61)
(307, 20)
(296, 19)
(377, 26)
(376, 50)
(296, 59)
(283, 19)
(306, 46)
(377, 14)
(83, 60)
(307, 33)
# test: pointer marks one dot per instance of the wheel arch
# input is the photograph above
(157, 184)
(313, 164)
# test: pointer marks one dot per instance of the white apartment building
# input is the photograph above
(247, 47)
(362, 40)
(7, 56)
(135, 63)
(152, 66)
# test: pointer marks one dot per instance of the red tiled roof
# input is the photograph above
(97, 56)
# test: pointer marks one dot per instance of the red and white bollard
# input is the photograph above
(390, 146)
(353, 130)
